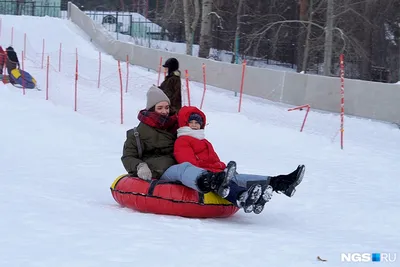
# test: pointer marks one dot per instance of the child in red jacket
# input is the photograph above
(200, 167)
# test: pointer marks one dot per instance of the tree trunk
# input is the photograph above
(205, 31)
(302, 35)
(307, 44)
(367, 42)
(328, 39)
(272, 34)
(237, 32)
(188, 32)
(190, 26)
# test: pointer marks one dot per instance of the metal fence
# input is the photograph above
(30, 8)
(128, 23)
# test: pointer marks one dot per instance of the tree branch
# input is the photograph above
(303, 22)
(355, 12)
(220, 19)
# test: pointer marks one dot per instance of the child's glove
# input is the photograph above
(143, 171)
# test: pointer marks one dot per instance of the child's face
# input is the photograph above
(194, 125)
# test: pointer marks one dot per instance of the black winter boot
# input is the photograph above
(247, 199)
(287, 183)
(217, 182)
(265, 197)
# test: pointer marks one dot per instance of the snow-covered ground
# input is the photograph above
(56, 167)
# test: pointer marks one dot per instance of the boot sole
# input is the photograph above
(224, 189)
(254, 194)
(292, 188)
(259, 206)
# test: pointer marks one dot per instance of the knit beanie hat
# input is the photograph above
(172, 64)
(154, 96)
(196, 117)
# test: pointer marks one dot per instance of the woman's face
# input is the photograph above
(162, 108)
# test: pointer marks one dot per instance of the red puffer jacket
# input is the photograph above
(189, 148)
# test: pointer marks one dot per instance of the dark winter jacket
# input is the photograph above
(172, 87)
(157, 137)
(12, 61)
(190, 148)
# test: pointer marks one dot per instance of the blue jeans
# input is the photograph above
(247, 180)
(187, 174)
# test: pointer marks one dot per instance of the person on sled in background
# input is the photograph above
(150, 152)
(172, 84)
(195, 154)
(3, 57)
(12, 62)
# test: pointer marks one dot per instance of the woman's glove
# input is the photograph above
(143, 171)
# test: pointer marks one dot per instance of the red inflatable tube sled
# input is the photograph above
(169, 198)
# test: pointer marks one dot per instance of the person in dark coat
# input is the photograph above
(157, 135)
(12, 62)
(172, 84)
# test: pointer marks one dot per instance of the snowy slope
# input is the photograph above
(57, 165)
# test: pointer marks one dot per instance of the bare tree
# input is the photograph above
(171, 20)
(366, 65)
(308, 36)
(302, 37)
(205, 31)
(237, 32)
(190, 25)
(309, 33)
(366, 31)
(328, 39)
